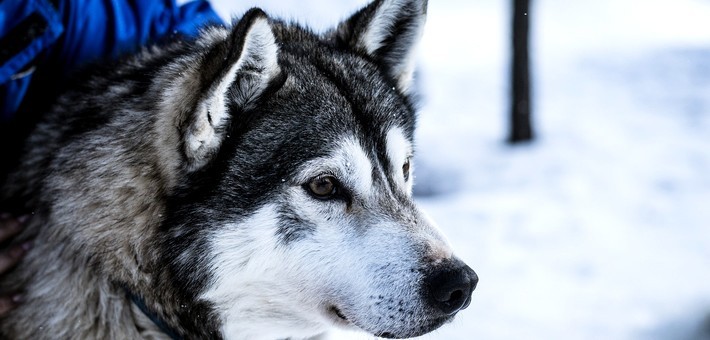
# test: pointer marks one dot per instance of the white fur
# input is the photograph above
(439, 246)
(381, 25)
(406, 72)
(399, 150)
(251, 289)
(357, 166)
(176, 95)
(264, 288)
(259, 47)
(380, 28)
(348, 162)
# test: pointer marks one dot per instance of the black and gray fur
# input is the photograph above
(181, 175)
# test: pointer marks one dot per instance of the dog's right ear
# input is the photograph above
(233, 73)
(387, 31)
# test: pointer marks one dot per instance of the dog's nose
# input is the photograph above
(450, 287)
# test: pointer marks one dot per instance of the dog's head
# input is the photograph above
(297, 213)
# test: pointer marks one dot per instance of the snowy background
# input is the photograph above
(601, 228)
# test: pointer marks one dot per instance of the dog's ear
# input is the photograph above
(233, 74)
(388, 31)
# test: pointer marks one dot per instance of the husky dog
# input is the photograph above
(252, 183)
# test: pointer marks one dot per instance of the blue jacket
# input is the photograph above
(57, 36)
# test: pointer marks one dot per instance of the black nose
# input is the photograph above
(451, 286)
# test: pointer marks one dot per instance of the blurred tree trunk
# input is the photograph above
(520, 123)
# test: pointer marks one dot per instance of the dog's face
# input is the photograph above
(301, 163)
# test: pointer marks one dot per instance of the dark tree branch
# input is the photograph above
(520, 127)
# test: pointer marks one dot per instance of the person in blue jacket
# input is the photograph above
(42, 42)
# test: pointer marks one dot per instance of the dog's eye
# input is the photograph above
(405, 170)
(323, 187)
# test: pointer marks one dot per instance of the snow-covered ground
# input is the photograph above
(601, 228)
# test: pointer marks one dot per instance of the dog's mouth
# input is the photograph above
(338, 314)
(425, 327)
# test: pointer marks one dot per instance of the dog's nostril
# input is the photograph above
(450, 302)
(450, 289)
(455, 296)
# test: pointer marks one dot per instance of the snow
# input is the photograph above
(601, 228)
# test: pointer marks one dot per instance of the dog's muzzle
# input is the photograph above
(449, 287)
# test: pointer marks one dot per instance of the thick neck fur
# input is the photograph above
(97, 204)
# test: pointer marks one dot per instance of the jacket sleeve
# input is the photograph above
(97, 29)
(79, 32)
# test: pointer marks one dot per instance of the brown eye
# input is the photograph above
(323, 187)
(405, 170)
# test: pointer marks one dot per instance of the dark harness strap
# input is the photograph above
(138, 301)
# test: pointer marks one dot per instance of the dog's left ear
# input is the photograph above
(388, 31)
(235, 72)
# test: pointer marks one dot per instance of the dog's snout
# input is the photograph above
(450, 288)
